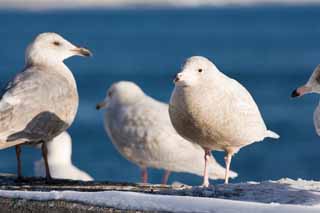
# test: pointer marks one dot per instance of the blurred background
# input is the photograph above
(271, 47)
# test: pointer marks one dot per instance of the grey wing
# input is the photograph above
(27, 109)
(316, 119)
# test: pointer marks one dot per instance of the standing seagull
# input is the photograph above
(59, 158)
(214, 111)
(312, 86)
(42, 100)
(140, 128)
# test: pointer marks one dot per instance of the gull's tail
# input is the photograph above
(271, 134)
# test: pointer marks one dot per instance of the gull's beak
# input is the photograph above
(82, 51)
(101, 105)
(301, 91)
(177, 77)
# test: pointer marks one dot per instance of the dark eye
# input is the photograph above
(109, 94)
(200, 70)
(56, 43)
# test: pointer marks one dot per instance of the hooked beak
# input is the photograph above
(82, 51)
(101, 105)
(300, 91)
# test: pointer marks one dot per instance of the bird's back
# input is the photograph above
(36, 105)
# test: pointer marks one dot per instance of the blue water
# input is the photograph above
(270, 50)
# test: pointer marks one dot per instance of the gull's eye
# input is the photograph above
(110, 94)
(200, 70)
(56, 43)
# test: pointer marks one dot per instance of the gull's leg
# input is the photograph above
(206, 174)
(227, 160)
(18, 152)
(144, 175)
(165, 177)
(45, 158)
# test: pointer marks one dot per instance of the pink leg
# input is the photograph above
(227, 159)
(206, 174)
(165, 177)
(144, 175)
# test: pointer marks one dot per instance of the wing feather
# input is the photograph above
(32, 106)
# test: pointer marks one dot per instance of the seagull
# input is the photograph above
(59, 158)
(140, 129)
(312, 86)
(214, 111)
(40, 102)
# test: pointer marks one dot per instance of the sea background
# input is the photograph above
(270, 49)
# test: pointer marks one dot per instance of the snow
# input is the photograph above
(148, 202)
(284, 195)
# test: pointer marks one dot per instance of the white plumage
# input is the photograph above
(214, 111)
(140, 128)
(60, 162)
(312, 86)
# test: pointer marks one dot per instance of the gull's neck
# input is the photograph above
(33, 58)
(57, 67)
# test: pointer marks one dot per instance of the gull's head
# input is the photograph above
(51, 48)
(121, 93)
(60, 149)
(312, 86)
(195, 70)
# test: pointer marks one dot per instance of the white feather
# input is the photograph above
(59, 158)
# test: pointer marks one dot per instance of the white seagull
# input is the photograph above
(60, 162)
(312, 86)
(214, 111)
(40, 102)
(140, 128)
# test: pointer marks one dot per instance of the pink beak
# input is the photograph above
(300, 91)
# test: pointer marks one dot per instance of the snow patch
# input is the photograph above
(147, 202)
(285, 195)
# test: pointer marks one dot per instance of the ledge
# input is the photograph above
(38, 195)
